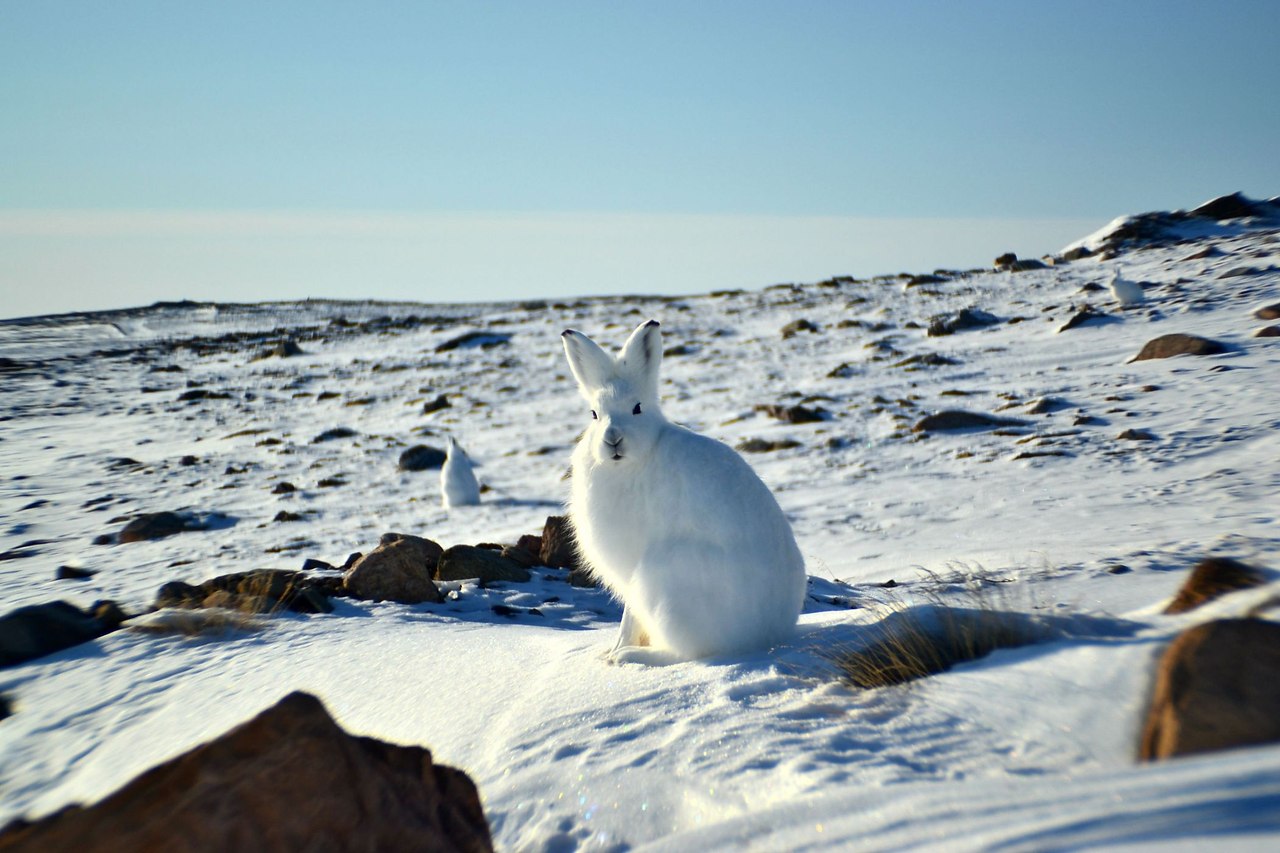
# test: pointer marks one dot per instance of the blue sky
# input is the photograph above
(248, 132)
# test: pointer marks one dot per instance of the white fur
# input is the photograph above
(676, 525)
(1126, 292)
(458, 486)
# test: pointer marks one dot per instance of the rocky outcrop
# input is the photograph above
(1167, 346)
(41, 629)
(289, 779)
(958, 419)
(463, 562)
(399, 569)
(154, 525)
(1211, 579)
(1217, 687)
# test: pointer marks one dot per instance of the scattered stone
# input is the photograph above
(37, 630)
(1078, 253)
(1085, 315)
(440, 402)
(844, 371)
(965, 318)
(311, 564)
(1268, 312)
(462, 562)
(6, 710)
(1119, 569)
(1206, 252)
(794, 414)
(284, 488)
(795, 327)
(1167, 346)
(155, 525)
(483, 340)
(284, 348)
(928, 359)
(73, 573)
(1268, 332)
(1010, 262)
(336, 432)
(761, 445)
(399, 569)
(1217, 687)
(202, 394)
(678, 350)
(1086, 420)
(421, 457)
(330, 482)
(285, 515)
(289, 779)
(188, 460)
(957, 419)
(925, 278)
(557, 547)
(1136, 435)
(1211, 579)
(256, 591)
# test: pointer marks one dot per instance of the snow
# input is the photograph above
(1029, 748)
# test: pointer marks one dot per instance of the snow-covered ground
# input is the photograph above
(1027, 749)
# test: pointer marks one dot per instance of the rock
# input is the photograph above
(483, 340)
(1078, 253)
(284, 488)
(311, 564)
(1234, 206)
(760, 445)
(1268, 312)
(927, 359)
(1268, 332)
(37, 630)
(1206, 252)
(285, 515)
(155, 525)
(794, 414)
(558, 548)
(256, 591)
(462, 562)
(399, 569)
(336, 432)
(795, 327)
(678, 350)
(965, 318)
(1085, 315)
(1167, 346)
(289, 779)
(73, 573)
(957, 419)
(6, 710)
(202, 394)
(1211, 579)
(440, 402)
(1217, 687)
(421, 457)
(925, 278)
(188, 460)
(1010, 262)
(1136, 435)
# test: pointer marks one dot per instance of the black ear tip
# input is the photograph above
(567, 332)
(652, 323)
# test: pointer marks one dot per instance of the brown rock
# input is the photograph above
(462, 562)
(1213, 578)
(289, 779)
(1217, 687)
(1268, 312)
(793, 414)
(761, 445)
(1167, 346)
(399, 569)
(1268, 332)
(795, 327)
(956, 419)
(559, 549)
(154, 525)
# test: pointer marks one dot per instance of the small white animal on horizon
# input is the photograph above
(676, 525)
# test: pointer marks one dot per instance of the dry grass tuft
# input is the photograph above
(195, 622)
(916, 641)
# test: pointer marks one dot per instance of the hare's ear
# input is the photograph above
(591, 365)
(641, 356)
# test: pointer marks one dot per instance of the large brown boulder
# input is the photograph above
(462, 562)
(558, 548)
(1211, 579)
(399, 569)
(1217, 687)
(1167, 346)
(289, 779)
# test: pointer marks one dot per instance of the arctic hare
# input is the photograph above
(458, 486)
(676, 525)
(1126, 292)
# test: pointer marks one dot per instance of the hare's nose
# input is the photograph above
(613, 436)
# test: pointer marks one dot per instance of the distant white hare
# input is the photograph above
(676, 525)
(1126, 292)
(458, 486)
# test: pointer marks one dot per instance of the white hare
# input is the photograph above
(1126, 292)
(676, 525)
(458, 486)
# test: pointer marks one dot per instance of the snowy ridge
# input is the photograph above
(1027, 749)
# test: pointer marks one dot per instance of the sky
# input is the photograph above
(443, 151)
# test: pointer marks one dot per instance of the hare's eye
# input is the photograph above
(594, 416)
(636, 410)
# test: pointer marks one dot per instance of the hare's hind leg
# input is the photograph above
(630, 633)
(692, 595)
